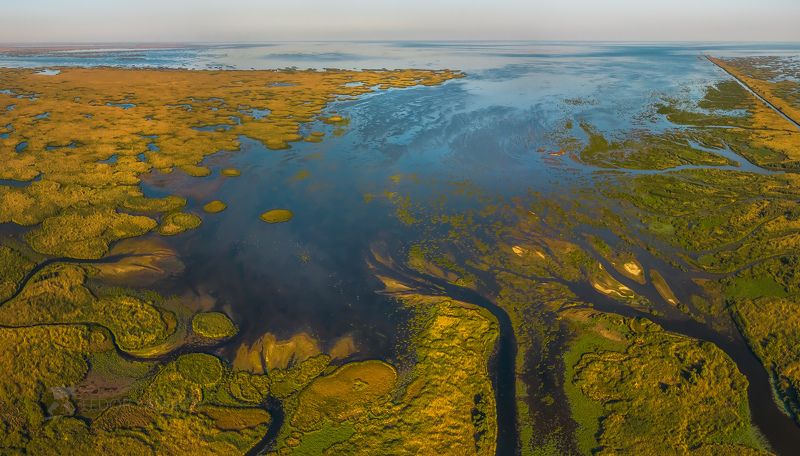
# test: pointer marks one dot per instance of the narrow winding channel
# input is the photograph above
(503, 363)
(24, 282)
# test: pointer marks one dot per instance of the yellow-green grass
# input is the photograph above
(634, 388)
(344, 394)
(35, 361)
(248, 388)
(57, 294)
(182, 407)
(235, 419)
(645, 151)
(722, 220)
(284, 382)
(200, 368)
(213, 325)
(277, 216)
(13, 267)
(140, 203)
(771, 326)
(443, 405)
(178, 222)
(86, 233)
(213, 207)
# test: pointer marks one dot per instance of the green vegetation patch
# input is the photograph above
(171, 390)
(200, 368)
(86, 233)
(248, 388)
(277, 216)
(288, 381)
(140, 203)
(135, 323)
(724, 220)
(57, 294)
(345, 393)
(663, 288)
(125, 416)
(179, 406)
(215, 206)
(637, 389)
(320, 441)
(13, 268)
(646, 151)
(178, 222)
(444, 404)
(236, 419)
(727, 95)
(754, 287)
(771, 326)
(37, 362)
(213, 325)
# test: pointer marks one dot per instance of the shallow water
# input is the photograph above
(486, 131)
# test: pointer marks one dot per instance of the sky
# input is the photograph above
(43, 21)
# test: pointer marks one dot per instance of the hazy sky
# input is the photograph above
(264, 20)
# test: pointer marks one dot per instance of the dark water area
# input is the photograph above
(277, 417)
(307, 275)
(496, 132)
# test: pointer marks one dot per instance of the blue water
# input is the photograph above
(124, 106)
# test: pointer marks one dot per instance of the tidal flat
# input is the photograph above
(591, 250)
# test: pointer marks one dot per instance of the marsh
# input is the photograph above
(499, 248)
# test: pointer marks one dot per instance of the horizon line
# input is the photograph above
(421, 40)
